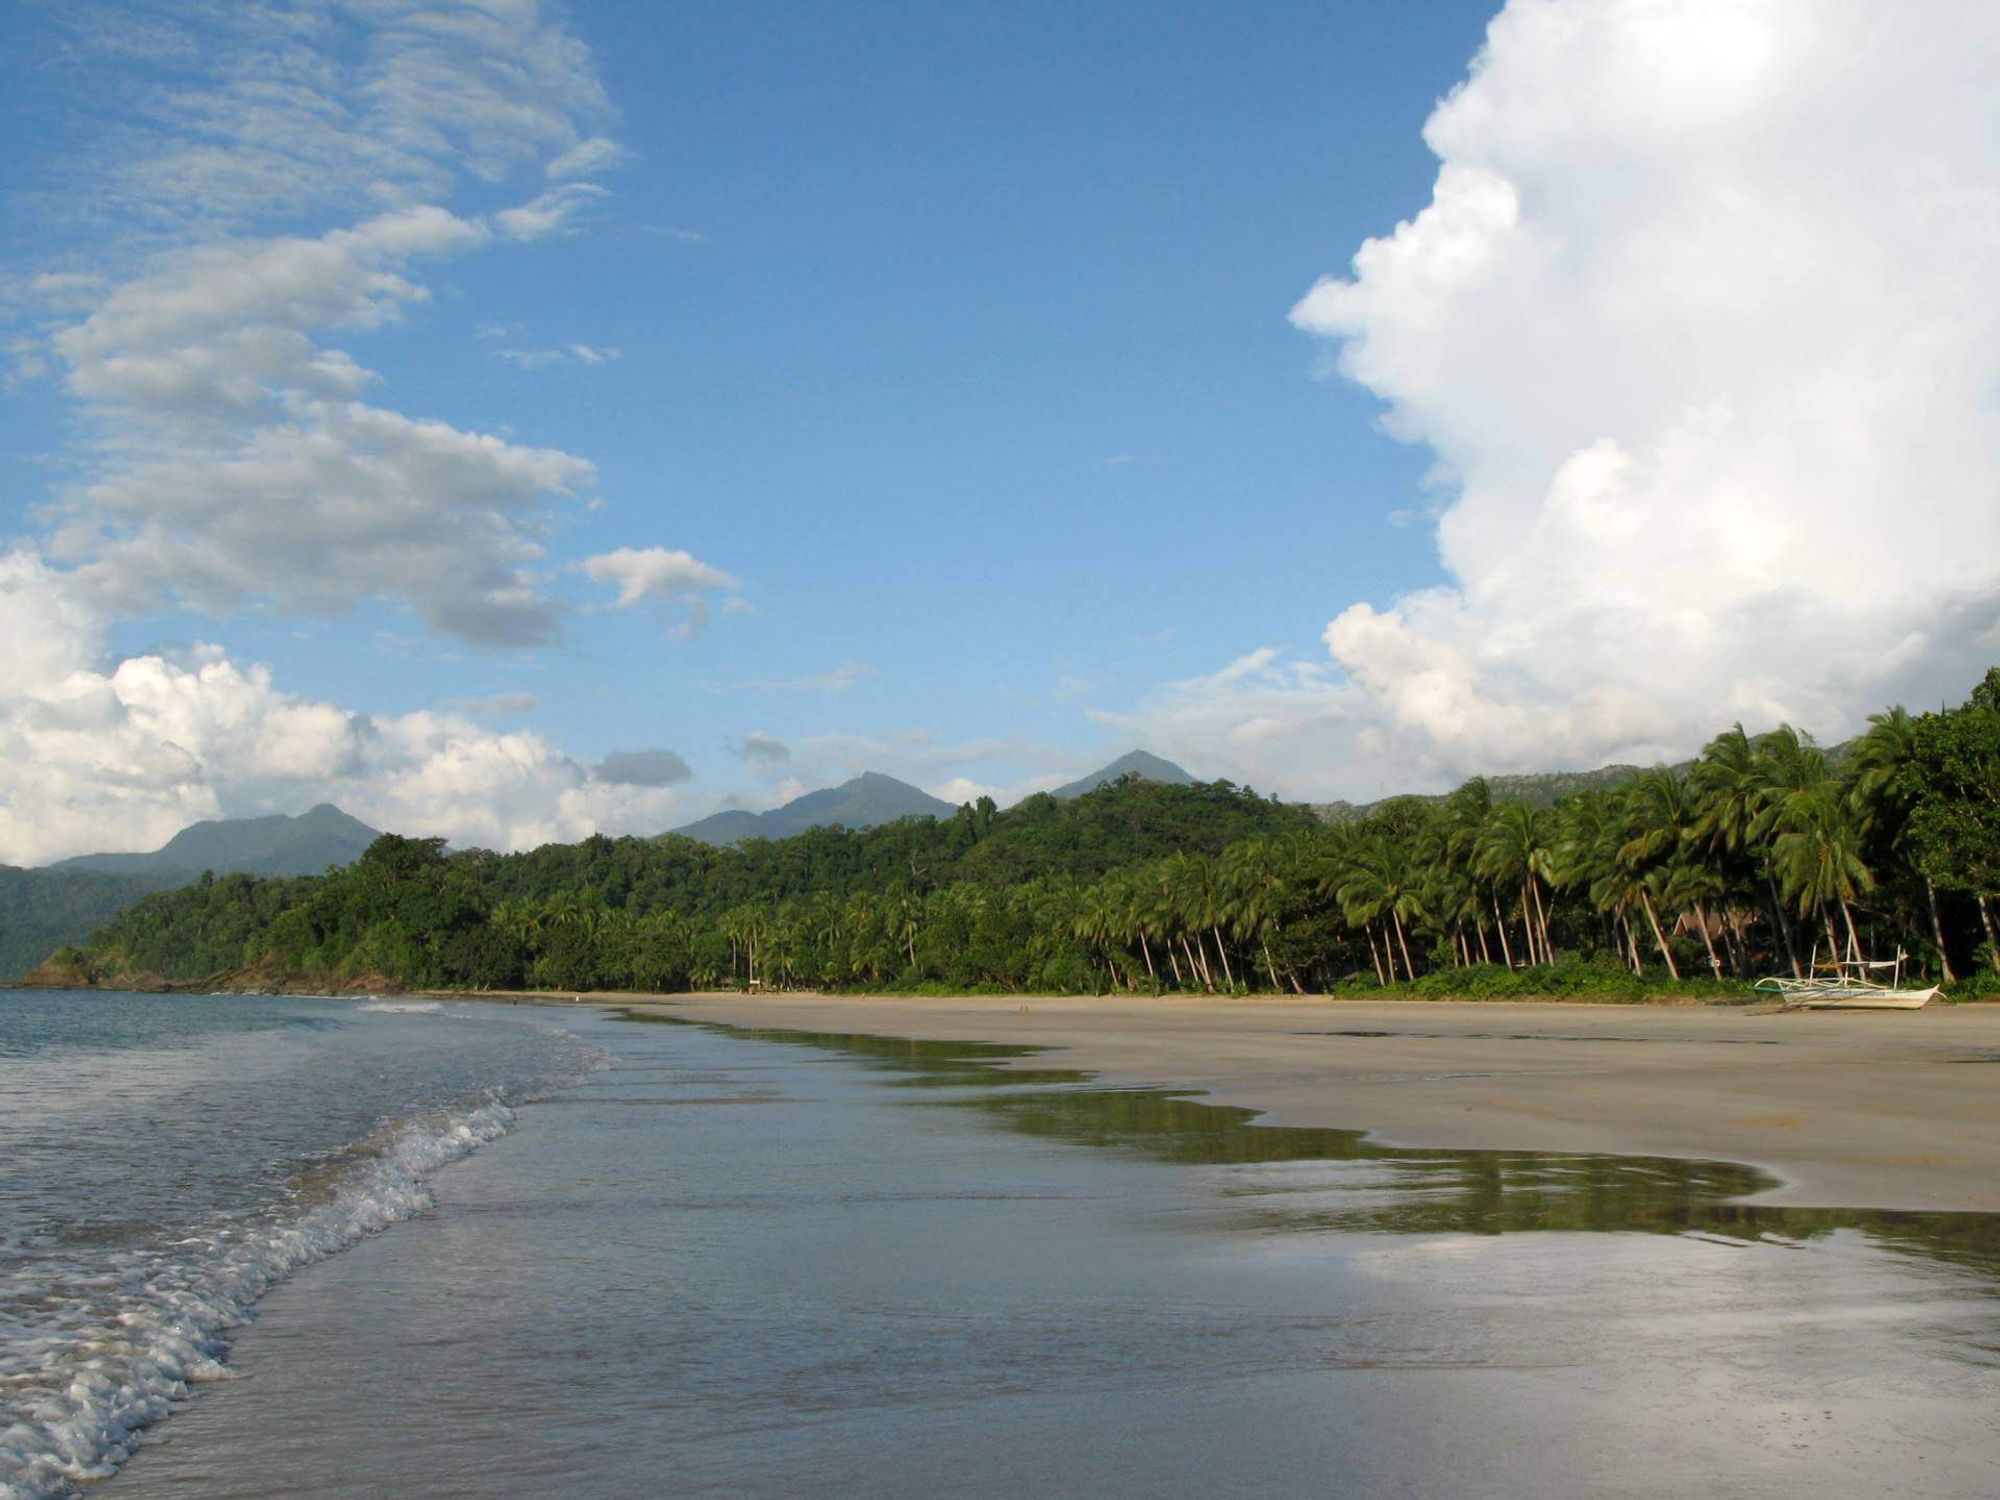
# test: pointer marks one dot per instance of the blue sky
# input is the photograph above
(955, 346)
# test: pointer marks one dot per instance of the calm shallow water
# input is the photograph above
(738, 1263)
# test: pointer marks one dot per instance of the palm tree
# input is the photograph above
(1254, 890)
(1660, 838)
(1818, 858)
(1465, 814)
(1513, 849)
(1885, 788)
(1379, 885)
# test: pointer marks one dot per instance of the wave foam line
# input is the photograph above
(87, 1395)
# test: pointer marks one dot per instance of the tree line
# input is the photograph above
(1765, 854)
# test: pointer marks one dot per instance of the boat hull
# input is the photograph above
(1885, 1000)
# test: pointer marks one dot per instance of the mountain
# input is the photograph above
(867, 801)
(1540, 789)
(274, 845)
(1137, 763)
(42, 910)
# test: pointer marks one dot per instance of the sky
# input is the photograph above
(512, 421)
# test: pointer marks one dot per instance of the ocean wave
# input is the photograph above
(152, 1325)
(402, 1007)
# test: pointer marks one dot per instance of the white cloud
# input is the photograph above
(227, 456)
(1699, 322)
(549, 214)
(255, 112)
(834, 680)
(570, 354)
(1277, 723)
(658, 575)
(123, 755)
(597, 154)
(232, 462)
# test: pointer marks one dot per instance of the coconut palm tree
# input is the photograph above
(1885, 788)
(1818, 857)
(1513, 850)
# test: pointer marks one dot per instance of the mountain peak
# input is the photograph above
(275, 844)
(1141, 763)
(866, 801)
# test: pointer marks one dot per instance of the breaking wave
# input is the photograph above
(94, 1358)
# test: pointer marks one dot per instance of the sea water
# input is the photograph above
(165, 1160)
(738, 1263)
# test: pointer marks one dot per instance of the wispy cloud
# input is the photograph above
(251, 113)
(597, 154)
(836, 680)
(496, 706)
(568, 354)
(231, 453)
(551, 213)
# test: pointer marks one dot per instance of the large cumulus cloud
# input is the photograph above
(1700, 324)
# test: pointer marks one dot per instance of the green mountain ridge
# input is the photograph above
(44, 909)
(1539, 789)
(873, 799)
(868, 801)
(276, 844)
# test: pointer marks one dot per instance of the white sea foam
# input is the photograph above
(91, 1384)
(402, 1007)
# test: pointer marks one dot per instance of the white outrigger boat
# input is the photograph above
(1850, 984)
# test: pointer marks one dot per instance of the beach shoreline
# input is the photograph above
(1892, 1111)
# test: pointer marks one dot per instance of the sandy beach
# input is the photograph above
(1856, 1110)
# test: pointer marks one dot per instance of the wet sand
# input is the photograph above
(1855, 1110)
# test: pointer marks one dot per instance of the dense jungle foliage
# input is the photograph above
(1762, 855)
(41, 909)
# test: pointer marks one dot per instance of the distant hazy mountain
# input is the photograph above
(41, 910)
(276, 845)
(1542, 789)
(868, 800)
(1138, 763)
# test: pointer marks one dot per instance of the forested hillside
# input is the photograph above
(1760, 855)
(40, 910)
(410, 912)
